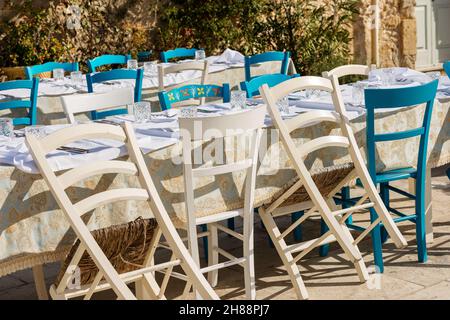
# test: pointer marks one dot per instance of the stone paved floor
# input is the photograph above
(326, 278)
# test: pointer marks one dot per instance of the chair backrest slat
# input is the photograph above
(107, 59)
(31, 71)
(78, 174)
(252, 86)
(202, 66)
(137, 75)
(90, 203)
(284, 57)
(348, 70)
(177, 53)
(192, 94)
(29, 104)
(82, 131)
(222, 126)
(80, 103)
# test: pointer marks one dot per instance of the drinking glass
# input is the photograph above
(6, 127)
(200, 55)
(434, 75)
(76, 77)
(283, 105)
(151, 67)
(37, 131)
(358, 94)
(58, 74)
(132, 64)
(188, 112)
(142, 111)
(238, 99)
(387, 77)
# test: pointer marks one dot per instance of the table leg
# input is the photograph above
(39, 282)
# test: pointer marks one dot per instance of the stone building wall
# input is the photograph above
(397, 33)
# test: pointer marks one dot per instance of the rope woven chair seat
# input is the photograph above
(326, 180)
(125, 246)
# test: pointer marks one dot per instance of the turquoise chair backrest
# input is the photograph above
(267, 57)
(193, 91)
(399, 98)
(446, 66)
(177, 53)
(31, 71)
(119, 74)
(252, 86)
(107, 59)
(29, 104)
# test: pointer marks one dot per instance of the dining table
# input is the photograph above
(34, 231)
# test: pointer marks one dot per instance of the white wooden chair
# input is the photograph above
(198, 130)
(348, 70)
(316, 202)
(202, 66)
(89, 250)
(82, 103)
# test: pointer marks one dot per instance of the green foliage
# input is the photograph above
(29, 40)
(209, 24)
(317, 35)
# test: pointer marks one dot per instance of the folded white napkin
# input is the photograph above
(230, 57)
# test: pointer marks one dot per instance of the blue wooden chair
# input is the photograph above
(446, 66)
(400, 98)
(119, 74)
(30, 104)
(193, 91)
(252, 86)
(177, 53)
(31, 71)
(107, 59)
(267, 57)
(144, 56)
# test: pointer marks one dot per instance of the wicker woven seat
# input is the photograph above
(124, 245)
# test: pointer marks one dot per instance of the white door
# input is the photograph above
(433, 32)
(441, 25)
(424, 33)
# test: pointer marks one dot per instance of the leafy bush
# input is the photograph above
(41, 35)
(209, 24)
(316, 34)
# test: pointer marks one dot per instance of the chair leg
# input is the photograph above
(286, 256)
(193, 249)
(323, 250)
(39, 281)
(346, 196)
(205, 241)
(421, 222)
(376, 243)
(213, 255)
(384, 194)
(298, 236)
(249, 264)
